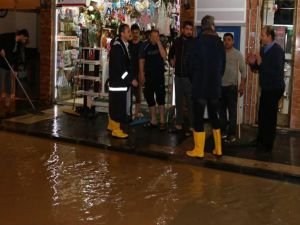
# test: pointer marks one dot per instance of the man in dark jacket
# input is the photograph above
(120, 79)
(134, 49)
(270, 65)
(179, 57)
(11, 45)
(207, 67)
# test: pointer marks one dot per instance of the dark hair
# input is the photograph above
(270, 31)
(228, 35)
(154, 31)
(23, 32)
(187, 23)
(207, 22)
(122, 28)
(135, 27)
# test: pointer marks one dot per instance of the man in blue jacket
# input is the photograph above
(207, 68)
(270, 65)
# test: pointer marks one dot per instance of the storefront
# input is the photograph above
(83, 31)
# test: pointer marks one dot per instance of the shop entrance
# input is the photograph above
(281, 15)
(83, 32)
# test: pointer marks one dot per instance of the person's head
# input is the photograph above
(187, 29)
(267, 35)
(124, 32)
(147, 34)
(135, 32)
(22, 36)
(228, 40)
(154, 36)
(208, 23)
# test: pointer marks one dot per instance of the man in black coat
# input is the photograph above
(120, 80)
(270, 65)
(178, 57)
(11, 45)
(207, 68)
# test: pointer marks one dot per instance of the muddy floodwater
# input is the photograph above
(45, 182)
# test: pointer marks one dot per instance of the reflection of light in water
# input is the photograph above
(165, 187)
(55, 125)
(53, 167)
(55, 111)
(55, 128)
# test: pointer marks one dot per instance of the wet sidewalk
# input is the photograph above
(283, 163)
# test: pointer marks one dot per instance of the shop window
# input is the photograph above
(284, 12)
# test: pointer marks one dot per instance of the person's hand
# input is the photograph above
(135, 83)
(241, 90)
(2, 53)
(258, 59)
(251, 59)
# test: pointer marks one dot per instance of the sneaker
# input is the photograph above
(224, 136)
(230, 139)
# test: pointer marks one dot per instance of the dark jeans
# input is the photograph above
(229, 104)
(5, 81)
(199, 109)
(267, 117)
(183, 94)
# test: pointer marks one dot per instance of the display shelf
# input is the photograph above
(84, 77)
(87, 93)
(90, 48)
(67, 38)
(90, 62)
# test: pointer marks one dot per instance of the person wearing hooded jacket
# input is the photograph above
(120, 80)
(207, 67)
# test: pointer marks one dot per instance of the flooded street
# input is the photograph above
(45, 182)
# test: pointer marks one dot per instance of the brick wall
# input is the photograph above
(46, 35)
(253, 27)
(295, 104)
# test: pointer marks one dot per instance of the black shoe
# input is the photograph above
(230, 139)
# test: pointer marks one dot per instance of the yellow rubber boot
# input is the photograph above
(199, 140)
(117, 132)
(110, 124)
(218, 142)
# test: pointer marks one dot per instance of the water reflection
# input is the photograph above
(44, 182)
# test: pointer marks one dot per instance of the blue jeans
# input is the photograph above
(5, 81)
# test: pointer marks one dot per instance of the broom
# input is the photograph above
(35, 111)
(72, 111)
